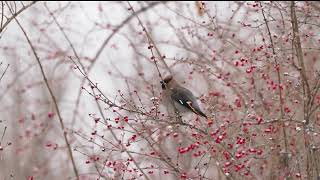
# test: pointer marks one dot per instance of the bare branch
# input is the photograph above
(54, 102)
(14, 15)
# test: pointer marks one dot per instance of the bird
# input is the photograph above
(182, 98)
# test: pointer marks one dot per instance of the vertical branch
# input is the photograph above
(298, 48)
(54, 102)
(306, 88)
(286, 163)
(2, 14)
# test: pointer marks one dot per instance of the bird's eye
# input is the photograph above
(163, 86)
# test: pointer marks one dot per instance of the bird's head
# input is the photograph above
(166, 81)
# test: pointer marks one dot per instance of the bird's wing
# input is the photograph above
(185, 97)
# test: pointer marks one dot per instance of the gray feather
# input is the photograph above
(185, 97)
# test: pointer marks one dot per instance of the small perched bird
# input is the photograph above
(182, 98)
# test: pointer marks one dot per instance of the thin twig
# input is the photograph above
(118, 28)
(117, 140)
(14, 15)
(4, 72)
(151, 43)
(104, 44)
(4, 132)
(66, 37)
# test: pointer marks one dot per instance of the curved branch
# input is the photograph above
(54, 102)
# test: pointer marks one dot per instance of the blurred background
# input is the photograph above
(254, 67)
